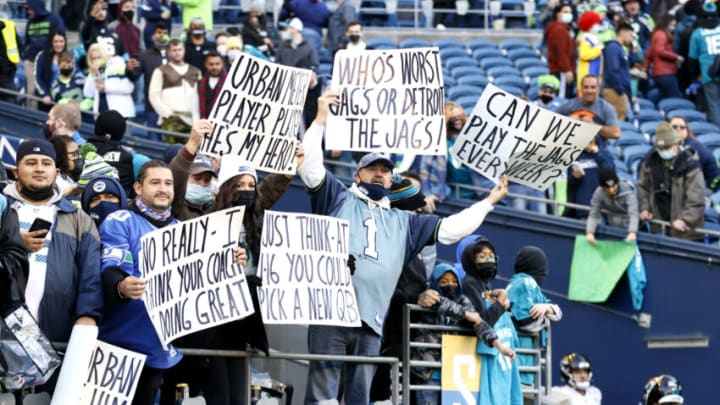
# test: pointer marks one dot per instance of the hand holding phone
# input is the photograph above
(34, 238)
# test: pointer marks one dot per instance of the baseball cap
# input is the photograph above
(201, 165)
(374, 157)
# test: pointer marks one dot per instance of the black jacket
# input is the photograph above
(13, 261)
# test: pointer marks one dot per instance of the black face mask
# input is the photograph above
(450, 291)
(77, 171)
(546, 99)
(66, 72)
(486, 271)
(354, 38)
(244, 197)
(128, 15)
(47, 133)
(37, 195)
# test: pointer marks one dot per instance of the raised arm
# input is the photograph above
(312, 171)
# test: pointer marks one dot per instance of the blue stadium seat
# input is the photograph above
(532, 92)
(646, 104)
(461, 90)
(448, 80)
(514, 90)
(467, 102)
(484, 53)
(690, 115)
(448, 43)
(627, 126)
(414, 43)
(461, 71)
(474, 80)
(480, 43)
(649, 127)
(630, 138)
(487, 63)
(447, 53)
(524, 63)
(703, 127)
(452, 63)
(324, 69)
(674, 103)
(649, 115)
(509, 44)
(533, 72)
(512, 81)
(497, 71)
(381, 43)
(324, 55)
(518, 53)
(710, 139)
(634, 155)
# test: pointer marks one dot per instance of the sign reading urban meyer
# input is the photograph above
(193, 281)
(113, 375)
(390, 100)
(506, 135)
(257, 114)
(303, 265)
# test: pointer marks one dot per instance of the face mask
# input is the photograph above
(566, 18)
(457, 124)
(37, 195)
(595, 29)
(667, 154)
(46, 130)
(233, 54)
(486, 271)
(102, 210)
(160, 43)
(128, 15)
(374, 191)
(546, 99)
(197, 195)
(77, 171)
(66, 72)
(354, 38)
(584, 385)
(221, 50)
(450, 291)
(197, 32)
(285, 36)
(244, 197)
(671, 29)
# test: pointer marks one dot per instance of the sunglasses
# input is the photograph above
(679, 127)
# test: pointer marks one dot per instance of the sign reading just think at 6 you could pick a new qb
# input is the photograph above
(505, 135)
(390, 100)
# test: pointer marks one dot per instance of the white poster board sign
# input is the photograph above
(505, 135)
(390, 101)
(112, 376)
(257, 114)
(193, 282)
(303, 265)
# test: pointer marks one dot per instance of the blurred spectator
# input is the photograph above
(13, 260)
(296, 52)
(671, 186)
(704, 46)
(95, 30)
(173, 91)
(683, 31)
(663, 389)
(576, 372)
(101, 197)
(338, 24)
(606, 30)
(69, 83)
(583, 177)
(109, 131)
(64, 119)
(9, 58)
(616, 70)
(46, 68)
(221, 43)
(148, 60)
(37, 34)
(617, 202)
(155, 12)
(561, 48)
(641, 22)
(354, 38)
(114, 11)
(591, 108)
(201, 9)
(548, 87)
(234, 47)
(314, 14)
(107, 83)
(126, 29)
(708, 164)
(661, 60)
(211, 83)
(196, 44)
(589, 47)
(69, 162)
(254, 32)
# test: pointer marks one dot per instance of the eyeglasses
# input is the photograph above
(74, 154)
(485, 259)
(683, 127)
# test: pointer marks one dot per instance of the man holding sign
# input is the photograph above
(383, 241)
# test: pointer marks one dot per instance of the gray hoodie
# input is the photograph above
(620, 211)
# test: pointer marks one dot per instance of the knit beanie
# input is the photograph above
(102, 185)
(531, 260)
(35, 147)
(607, 177)
(95, 166)
(110, 125)
(405, 196)
(665, 135)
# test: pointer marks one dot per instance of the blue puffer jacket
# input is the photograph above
(73, 286)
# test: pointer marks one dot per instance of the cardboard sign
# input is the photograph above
(460, 370)
(390, 100)
(257, 114)
(303, 265)
(193, 282)
(527, 143)
(112, 376)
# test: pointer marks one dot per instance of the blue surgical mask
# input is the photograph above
(197, 195)
(374, 191)
(667, 154)
(99, 212)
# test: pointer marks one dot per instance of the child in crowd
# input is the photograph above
(69, 83)
(107, 83)
(453, 308)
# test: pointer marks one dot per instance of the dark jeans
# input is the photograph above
(150, 381)
(668, 86)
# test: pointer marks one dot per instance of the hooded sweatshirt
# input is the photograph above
(475, 285)
(39, 28)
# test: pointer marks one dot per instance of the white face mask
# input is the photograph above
(285, 36)
(233, 54)
(566, 18)
(667, 154)
(222, 50)
(595, 29)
